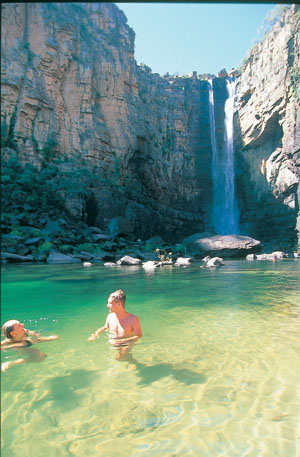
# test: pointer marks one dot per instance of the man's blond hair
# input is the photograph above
(119, 295)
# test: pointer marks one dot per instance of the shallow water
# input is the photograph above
(216, 373)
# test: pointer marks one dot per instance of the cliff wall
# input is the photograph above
(267, 127)
(71, 89)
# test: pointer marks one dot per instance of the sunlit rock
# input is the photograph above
(225, 245)
(127, 260)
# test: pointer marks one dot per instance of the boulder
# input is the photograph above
(58, 257)
(279, 255)
(236, 246)
(83, 256)
(127, 260)
(95, 230)
(265, 257)
(251, 257)
(215, 262)
(9, 257)
(150, 265)
(100, 237)
(110, 264)
(21, 249)
(183, 261)
(53, 228)
(31, 241)
(273, 256)
(12, 238)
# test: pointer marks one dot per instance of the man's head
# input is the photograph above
(116, 299)
(13, 329)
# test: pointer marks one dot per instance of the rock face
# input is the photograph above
(221, 245)
(267, 127)
(71, 90)
(139, 144)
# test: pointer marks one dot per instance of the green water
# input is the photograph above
(216, 373)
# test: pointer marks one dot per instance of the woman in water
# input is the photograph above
(17, 337)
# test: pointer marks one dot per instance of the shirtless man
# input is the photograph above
(124, 327)
(16, 337)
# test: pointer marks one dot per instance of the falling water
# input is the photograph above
(225, 213)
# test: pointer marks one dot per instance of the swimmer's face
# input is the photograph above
(112, 304)
(18, 331)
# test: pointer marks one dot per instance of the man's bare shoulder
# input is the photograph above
(132, 316)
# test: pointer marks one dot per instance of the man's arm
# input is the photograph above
(99, 331)
(41, 339)
(9, 344)
(4, 342)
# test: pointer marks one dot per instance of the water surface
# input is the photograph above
(216, 373)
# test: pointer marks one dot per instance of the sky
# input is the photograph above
(178, 38)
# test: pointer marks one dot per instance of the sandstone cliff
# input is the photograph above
(267, 126)
(139, 144)
(72, 89)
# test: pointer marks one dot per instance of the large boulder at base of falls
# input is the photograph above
(221, 245)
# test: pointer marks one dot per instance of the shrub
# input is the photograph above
(66, 248)
(45, 247)
(163, 255)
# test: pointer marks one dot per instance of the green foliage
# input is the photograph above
(49, 147)
(16, 232)
(148, 247)
(46, 188)
(295, 78)
(31, 55)
(66, 248)
(3, 130)
(117, 172)
(27, 184)
(8, 139)
(89, 247)
(45, 247)
(34, 141)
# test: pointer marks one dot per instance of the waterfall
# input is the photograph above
(225, 212)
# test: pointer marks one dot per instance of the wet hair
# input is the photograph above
(119, 295)
(8, 327)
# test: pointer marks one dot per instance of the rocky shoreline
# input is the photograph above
(53, 239)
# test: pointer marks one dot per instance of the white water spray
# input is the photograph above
(225, 213)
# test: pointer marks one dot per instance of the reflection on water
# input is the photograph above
(216, 372)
